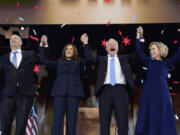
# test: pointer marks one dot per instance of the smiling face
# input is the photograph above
(112, 47)
(155, 52)
(69, 52)
(15, 42)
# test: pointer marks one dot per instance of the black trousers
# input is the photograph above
(113, 98)
(62, 105)
(17, 104)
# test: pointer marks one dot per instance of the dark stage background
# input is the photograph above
(59, 35)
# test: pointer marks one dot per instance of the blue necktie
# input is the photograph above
(112, 72)
(14, 59)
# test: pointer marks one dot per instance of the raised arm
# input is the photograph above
(171, 61)
(87, 52)
(139, 51)
(43, 60)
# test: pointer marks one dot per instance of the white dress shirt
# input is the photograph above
(18, 56)
(120, 79)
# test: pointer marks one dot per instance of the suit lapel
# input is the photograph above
(122, 64)
(22, 60)
(9, 61)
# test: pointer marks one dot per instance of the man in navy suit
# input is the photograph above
(16, 68)
(114, 82)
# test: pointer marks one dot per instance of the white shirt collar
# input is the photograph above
(19, 51)
(110, 56)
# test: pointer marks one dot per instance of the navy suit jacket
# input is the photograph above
(68, 80)
(24, 75)
(101, 62)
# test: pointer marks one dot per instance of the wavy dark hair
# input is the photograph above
(75, 52)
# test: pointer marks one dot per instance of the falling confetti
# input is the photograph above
(176, 82)
(18, 4)
(134, 17)
(36, 7)
(173, 68)
(145, 68)
(44, 9)
(169, 75)
(142, 81)
(162, 32)
(126, 41)
(176, 117)
(108, 23)
(103, 43)
(175, 42)
(63, 25)
(21, 19)
(106, 1)
(119, 32)
(34, 38)
(34, 32)
(172, 94)
(73, 38)
(36, 69)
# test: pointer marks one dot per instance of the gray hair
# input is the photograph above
(107, 43)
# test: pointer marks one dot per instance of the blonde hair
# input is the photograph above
(163, 49)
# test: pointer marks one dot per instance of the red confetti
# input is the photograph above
(103, 43)
(119, 32)
(18, 3)
(172, 94)
(73, 38)
(108, 23)
(175, 42)
(44, 9)
(106, 1)
(36, 69)
(36, 7)
(126, 41)
(173, 68)
(34, 38)
(176, 82)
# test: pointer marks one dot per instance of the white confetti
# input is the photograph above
(34, 32)
(169, 75)
(145, 68)
(176, 117)
(63, 25)
(134, 17)
(162, 32)
(21, 19)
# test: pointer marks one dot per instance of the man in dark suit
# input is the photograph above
(18, 91)
(114, 82)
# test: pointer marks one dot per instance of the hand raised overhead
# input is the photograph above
(44, 40)
(84, 38)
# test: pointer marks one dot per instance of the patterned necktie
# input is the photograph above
(112, 72)
(14, 59)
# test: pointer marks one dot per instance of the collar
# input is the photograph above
(109, 56)
(18, 51)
